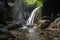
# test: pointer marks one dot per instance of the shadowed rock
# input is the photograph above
(55, 24)
(43, 23)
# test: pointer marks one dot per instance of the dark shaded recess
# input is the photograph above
(51, 9)
(5, 12)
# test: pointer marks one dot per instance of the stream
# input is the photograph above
(29, 34)
(26, 34)
(28, 31)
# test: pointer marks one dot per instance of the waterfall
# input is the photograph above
(30, 20)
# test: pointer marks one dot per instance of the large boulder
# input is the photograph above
(55, 24)
(43, 24)
(5, 34)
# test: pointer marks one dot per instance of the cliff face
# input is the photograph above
(14, 10)
(21, 11)
(55, 24)
(51, 9)
(5, 11)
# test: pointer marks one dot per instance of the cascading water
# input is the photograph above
(30, 20)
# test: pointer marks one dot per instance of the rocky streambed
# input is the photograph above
(52, 32)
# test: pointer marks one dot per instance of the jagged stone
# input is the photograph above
(55, 24)
(43, 23)
(4, 33)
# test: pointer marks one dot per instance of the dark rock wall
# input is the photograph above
(51, 9)
(11, 13)
(5, 11)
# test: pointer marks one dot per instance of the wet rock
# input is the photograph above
(55, 24)
(56, 38)
(30, 26)
(3, 36)
(50, 34)
(43, 23)
(3, 30)
(14, 26)
(3, 33)
(6, 36)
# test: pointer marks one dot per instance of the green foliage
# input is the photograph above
(30, 2)
(39, 2)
